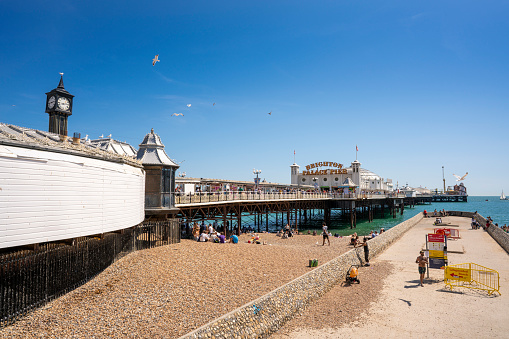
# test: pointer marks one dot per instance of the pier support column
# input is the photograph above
(351, 218)
(267, 221)
(402, 207)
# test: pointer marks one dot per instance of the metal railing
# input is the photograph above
(206, 197)
(473, 276)
(31, 278)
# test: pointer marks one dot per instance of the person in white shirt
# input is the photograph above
(325, 234)
(204, 237)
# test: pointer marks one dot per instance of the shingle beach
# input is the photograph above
(169, 291)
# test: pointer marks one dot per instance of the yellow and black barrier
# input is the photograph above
(473, 276)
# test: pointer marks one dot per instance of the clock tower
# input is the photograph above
(59, 107)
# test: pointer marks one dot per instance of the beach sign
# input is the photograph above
(436, 263)
(436, 250)
(455, 273)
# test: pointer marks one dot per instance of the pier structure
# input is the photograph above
(297, 209)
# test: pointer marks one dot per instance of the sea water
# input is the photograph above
(487, 206)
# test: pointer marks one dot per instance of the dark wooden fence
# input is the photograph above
(31, 278)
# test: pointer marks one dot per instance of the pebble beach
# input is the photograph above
(169, 291)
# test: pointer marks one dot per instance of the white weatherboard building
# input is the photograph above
(333, 175)
(52, 190)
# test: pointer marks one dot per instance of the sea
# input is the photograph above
(487, 206)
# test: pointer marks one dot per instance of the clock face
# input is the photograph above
(63, 104)
(51, 102)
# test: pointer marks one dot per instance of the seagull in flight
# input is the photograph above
(61, 73)
(458, 178)
(177, 114)
(156, 59)
(188, 105)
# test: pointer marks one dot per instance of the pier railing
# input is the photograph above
(207, 197)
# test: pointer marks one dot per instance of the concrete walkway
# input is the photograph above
(406, 310)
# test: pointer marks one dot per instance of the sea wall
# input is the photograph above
(496, 233)
(265, 315)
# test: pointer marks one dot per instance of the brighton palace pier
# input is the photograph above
(54, 187)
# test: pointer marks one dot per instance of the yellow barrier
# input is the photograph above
(474, 276)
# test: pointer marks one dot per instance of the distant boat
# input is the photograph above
(502, 196)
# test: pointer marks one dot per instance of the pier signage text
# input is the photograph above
(311, 168)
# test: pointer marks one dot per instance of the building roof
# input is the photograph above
(348, 183)
(60, 88)
(12, 135)
(115, 146)
(152, 152)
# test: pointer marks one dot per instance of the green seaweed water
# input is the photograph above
(491, 206)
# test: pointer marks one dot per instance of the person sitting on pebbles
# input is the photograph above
(233, 239)
(354, 239)
(204, 237)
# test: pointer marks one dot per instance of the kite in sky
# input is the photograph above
(458, 178)
(156, 59)
(214, 104)
(177, 114)
(270, 113)
(188, 105)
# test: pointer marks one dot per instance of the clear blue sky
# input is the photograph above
(417, 85)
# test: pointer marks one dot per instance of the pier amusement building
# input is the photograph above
(334, 176)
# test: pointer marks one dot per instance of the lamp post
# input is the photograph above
(182, 174)
(443, 177)
(257, 180)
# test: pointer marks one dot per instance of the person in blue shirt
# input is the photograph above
(234, 239)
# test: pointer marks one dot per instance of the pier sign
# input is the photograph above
(311, 168)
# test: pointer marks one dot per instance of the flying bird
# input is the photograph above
(214, 104)
(188, 105)
(270, 113)
(458, 178)
(156, 59)
(177, 114)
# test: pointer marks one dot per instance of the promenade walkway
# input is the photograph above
(406, 310)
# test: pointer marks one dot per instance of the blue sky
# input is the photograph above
(417, 85)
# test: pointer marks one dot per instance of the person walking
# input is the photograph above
(366, 249)
(325, 234)
(422, 261)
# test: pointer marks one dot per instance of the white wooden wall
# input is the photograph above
(47, 196)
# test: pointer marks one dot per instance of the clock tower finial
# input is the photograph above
(59, 107)
(61, 83)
